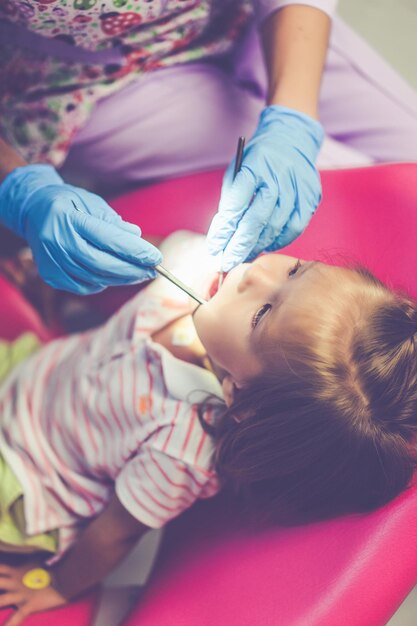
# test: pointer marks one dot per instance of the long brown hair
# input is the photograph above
(331, 432)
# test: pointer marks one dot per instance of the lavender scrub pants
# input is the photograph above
(187, 118)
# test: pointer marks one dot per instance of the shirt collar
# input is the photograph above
(187, 381)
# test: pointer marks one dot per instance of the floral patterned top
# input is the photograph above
(58, 57)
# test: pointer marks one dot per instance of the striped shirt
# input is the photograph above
(111, 409)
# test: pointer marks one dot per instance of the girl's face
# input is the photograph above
(257, 301)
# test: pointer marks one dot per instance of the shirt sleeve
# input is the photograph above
(263, 8)
(154, 487)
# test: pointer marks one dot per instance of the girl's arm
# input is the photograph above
(105, 541)
(295, 40)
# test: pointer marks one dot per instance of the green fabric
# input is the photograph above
(12, 517)
(13, 352)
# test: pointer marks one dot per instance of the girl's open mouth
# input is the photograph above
(214, 287)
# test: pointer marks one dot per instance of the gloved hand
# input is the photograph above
(78, 242)
(278, 166)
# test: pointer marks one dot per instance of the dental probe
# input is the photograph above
(238, 165)
(179, 284)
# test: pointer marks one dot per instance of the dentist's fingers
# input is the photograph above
(248, 231)
(233, 204)
(118, 242)
(279, 218)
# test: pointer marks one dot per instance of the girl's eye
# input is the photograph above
(295, 269)
(259, 314)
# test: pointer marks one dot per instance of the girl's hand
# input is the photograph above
(26, 600)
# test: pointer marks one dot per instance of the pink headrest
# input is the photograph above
(17, 315)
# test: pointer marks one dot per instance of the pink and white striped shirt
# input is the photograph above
(111, 409)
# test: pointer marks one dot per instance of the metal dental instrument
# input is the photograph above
(171, 277)
(179, 284)
(239, 155)
(238, 165)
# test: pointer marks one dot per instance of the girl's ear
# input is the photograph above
(229, 389)
(230, 386)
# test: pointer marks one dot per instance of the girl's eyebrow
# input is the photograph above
(276, 304)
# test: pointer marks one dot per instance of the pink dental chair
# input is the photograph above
(211, 570)
(354, 571)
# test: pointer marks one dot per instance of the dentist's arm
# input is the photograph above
(295, 41)
(279, 160)
(78, 242)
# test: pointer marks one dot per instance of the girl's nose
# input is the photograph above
(254, 275)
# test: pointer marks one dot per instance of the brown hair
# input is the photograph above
(331, 432)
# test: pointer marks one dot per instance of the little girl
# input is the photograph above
(295, 384)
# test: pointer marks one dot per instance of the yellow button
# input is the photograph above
(36, 579)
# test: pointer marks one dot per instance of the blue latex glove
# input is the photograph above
(278, 166)
(78, 242)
